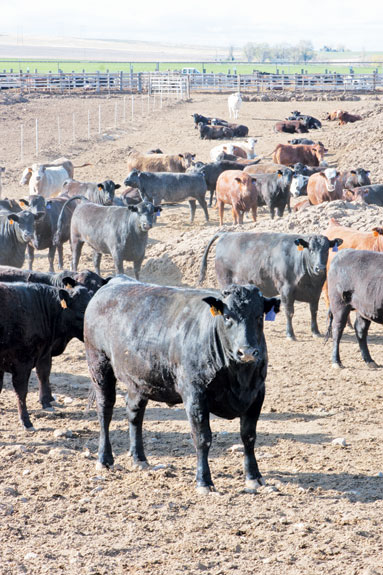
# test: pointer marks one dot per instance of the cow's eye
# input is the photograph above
(228, 320)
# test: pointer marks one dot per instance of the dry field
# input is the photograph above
(321, 511)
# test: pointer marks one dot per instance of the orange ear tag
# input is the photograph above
(63, 304)
(300, 248)
(375, 233)
(22, 203)
(279, 175)
(214, 311)
(68, 286)
(11, 222)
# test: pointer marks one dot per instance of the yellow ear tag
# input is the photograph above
(214, 311)
(100, 188)
(68, 286)
(63, 304)
(22, 203)
(11, 222)
(300, 248)
(279, 175)
(375, 233)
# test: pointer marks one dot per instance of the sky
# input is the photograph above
(354, 23)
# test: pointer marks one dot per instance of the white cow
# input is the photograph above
(2, 170)
(243, 149)
(47, 179)
(234, 102)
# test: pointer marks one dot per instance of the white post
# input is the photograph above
(58, 131)
(37, 137)
(88, 124)
(99, 119)
(22, 142)
(115, 115)
(73, 128)
(132, 107)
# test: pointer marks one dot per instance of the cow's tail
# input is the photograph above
(330, 318)
(83, 166)
(202, 271)
(57, 235)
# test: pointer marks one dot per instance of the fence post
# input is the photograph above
(98, 82)
(37, 136)
(121, 81)
(139, 81)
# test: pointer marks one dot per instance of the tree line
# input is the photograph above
(263, 52)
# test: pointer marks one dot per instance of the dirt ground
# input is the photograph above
(321, 510)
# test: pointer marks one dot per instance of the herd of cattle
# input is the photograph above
(202, 347)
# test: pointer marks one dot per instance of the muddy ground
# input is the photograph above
(321, 510)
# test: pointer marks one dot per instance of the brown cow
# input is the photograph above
(288, 154)
(324, 186)
(291, 127)
(346, 118)
(264, 168)
(159, 162)
(238, 189)
(332, 116)
(353, 239)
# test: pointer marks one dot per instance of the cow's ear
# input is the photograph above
(216, 305)
(271, 306)
(29, 170)
(100, 187)
(180, 155)
(117, 186)
(132, 208)
(377, 231)
(301, 243)
(13, 218)
(106, 280)
(322, 174)
(280, 173)
(64, 298)
(238, 180)
(337, 174)
(157, 209)
(336, 242)
(69, 282)
(24, 203)
(353, 172)
(193, 156)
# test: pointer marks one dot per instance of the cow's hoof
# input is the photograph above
(252, 485)
(337, 366)
(372, 365)
(49, 408)
(140, 464)
(101, 466)
(316, 335)
(291, 337)
(205, 489)
(30, 429)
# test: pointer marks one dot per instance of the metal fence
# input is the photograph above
(180, 85)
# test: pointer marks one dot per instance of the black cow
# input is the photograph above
(214, 132)
(372, 194)
(86, 278)
(355, 282)
(119, 231)
(37, 322)
(291, 265)
(239, 130)
(170, 187)
(16, 231)
(310, 122)
(304, 170)
(299, 185)
(298, 141)
(213, 170)
(356, 178)
(201, 347)
(274, 190)
(9, 206)
(206, 120)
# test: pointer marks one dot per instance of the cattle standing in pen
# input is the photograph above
(16, 232)
(178, 163)
(234, 103)
(200, 347)
(355, 282)
(239, 191)
(310, 155)
(324, 186)
(51, 317)
(291, 265)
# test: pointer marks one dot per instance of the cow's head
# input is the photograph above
(330, 176)
(319, 150)
(146, 214)
(133, 179)
(73, 303)
(24, 223)
(186, 159)
(239, 315)
(299, 185)
(106, 190)
(362, 176)
(314, 250)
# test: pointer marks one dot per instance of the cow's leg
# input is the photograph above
(97, 261)
(249, 421)
(76, 253)
(137, 268)
(51, 257)
(338, 325)
(272, 212)
(104, 384)
(314, 312)
(240, 217)
(135, 410)
(203, 204)
(1, 380)
(30, 256)
(211, 198)
(43, 371)
(118, 258)
(193, 207)
(196, 406)
(20, 379)
(361, 330)
(287, 298)
(254, 213)
(221, 208)
(60, 253)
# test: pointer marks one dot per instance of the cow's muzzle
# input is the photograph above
(247, 354)
(319, 269)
